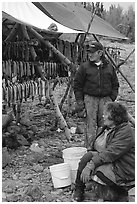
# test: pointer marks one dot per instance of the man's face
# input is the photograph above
(95, 56)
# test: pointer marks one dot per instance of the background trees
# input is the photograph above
(123, 21)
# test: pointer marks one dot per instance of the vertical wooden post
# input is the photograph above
(59, 115)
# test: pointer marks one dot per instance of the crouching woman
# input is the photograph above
(112, 161)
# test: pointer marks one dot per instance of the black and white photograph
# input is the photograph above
(68, 101)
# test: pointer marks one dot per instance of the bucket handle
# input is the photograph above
(66, 177)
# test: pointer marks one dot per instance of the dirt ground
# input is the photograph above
(27, 177)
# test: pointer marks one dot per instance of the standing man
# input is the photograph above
(95, 84)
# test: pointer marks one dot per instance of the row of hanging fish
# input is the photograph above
(20, 71)
(17, 70)
(53, 70)
(114, 53)
(20, 51)
(19, 92)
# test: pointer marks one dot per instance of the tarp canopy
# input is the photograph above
(27, 13)
(74, 16)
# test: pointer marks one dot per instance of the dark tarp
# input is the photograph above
(76, 17)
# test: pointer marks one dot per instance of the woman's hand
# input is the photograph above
(85, 175)
(87, 171)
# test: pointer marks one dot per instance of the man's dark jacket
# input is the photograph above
(96, 81)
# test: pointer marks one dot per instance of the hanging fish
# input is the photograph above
(50, 53)
(33, 90)
(14, 89)
(11, 94)
(25, 68)
(43, 89)
(68, 50)
(9, 50)
(26, 52)
(7, 95)
(14, 69)
(14, 51)
(47, 69)
(84, 57)
(30, 88)
(40, 90)
(50, 69)
(21, 69)
(18, 92)
(55, 69)
(34, 83)
(61, 46)
(23, 91)
(6, 68)
(27, 89)
(14, 108)
(3, 69)
(18, 70)
(46, 87)
(17, 50)
(22, 50)
(38, 86)
(28, 69)
(10, 69)
(11, 53)
(40, 70)
(3, 93)
(32, 69)
(5, 51)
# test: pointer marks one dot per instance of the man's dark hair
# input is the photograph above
(118, 112)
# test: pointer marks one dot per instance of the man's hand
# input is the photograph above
(85, 175)
(82, 114)
(79, 108)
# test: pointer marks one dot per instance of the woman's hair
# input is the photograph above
(118, 112)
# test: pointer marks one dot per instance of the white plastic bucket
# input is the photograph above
(72, 156)
(61, 176)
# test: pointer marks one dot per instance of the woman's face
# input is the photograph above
(107, 121)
